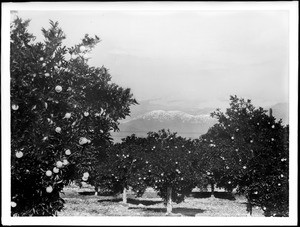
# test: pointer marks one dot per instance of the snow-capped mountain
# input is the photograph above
(187, 125)
(190, 123)
(162, 115)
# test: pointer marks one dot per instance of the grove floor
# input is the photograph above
(83, 202)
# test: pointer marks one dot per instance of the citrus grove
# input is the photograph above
(62, 113)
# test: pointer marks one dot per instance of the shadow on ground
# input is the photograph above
(219, 195)
(105, 193)
(131, 201)
(86, 193)
(144, 202)
(200, 194)
(179, 210)
(224, 195)
(114, 200)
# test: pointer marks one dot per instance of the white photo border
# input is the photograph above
(292, 7)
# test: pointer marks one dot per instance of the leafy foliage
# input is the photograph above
(248, 149)
(123, 167)
(171, 163)
(61, 118)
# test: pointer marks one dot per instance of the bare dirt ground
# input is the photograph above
(83, 202)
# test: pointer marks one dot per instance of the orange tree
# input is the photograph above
(266, 181)
(214, 150)
(123, 168)
(249, 150)
(172, 168)
(62, 112)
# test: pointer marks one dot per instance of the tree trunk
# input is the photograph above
(96, 189)
(212, 189)
(124, 195)
(169, 200)
(249, 208)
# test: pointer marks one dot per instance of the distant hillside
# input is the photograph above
(190, 123)
(147, 106)
(281, 111)
(187, 125)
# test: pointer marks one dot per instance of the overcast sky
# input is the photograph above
(192, 58)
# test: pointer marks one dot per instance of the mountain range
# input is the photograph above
(190, 123)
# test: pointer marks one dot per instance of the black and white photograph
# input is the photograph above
(149, 113)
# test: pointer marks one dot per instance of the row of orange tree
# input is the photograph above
(246, 150)
(163, 160)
